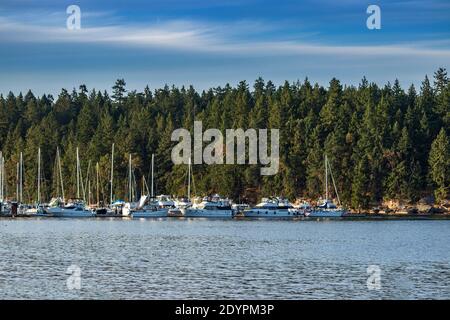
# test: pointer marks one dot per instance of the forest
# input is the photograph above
(383, 142)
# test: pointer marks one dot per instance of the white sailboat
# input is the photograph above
(181, 204)
(4, 207)
(149, 206)
(75, 208)
(36, 208)
(326, 207)
(275, 207)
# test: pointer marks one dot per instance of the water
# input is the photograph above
(214, 259)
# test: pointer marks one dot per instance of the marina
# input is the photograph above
(150, 206)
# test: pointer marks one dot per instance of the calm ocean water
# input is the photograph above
(209, 259)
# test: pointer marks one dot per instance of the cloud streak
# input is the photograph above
(189, 36)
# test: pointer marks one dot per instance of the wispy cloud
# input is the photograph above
(231, 38)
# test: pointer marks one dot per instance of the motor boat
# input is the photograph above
(75, 208)
(275, 207)
(151, 208)
(210, 207)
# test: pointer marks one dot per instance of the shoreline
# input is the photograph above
(350, 217)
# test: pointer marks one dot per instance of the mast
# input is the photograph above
(78, 175)
(4, 183)
(326, 178)
(130, 196)
(39, 177)
(189, 179)
(60, 173)
(1, 176)
(98, 198)
(112, 171)
(334, 184)
(84, 185)
(17, 183)
(134, 189)
(21, 177)
(153, 163)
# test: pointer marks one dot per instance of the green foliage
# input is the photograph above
(439, 162)
(382, 143)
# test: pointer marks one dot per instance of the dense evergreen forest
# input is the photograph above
(382, 142)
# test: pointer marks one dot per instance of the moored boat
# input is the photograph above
(326, 207)
(151, 208)
(275, 207)
(73, 209)
(210, 207)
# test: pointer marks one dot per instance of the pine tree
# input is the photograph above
(119, 91)
(439, 163)
(361, 180)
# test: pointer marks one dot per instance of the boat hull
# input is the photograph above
(202, 213)
(272, 214)
(324, 213)
(67, 213)
(160, 213)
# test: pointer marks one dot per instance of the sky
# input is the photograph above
(207, 43)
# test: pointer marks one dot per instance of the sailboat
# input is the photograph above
(326, 207)
(36, 208)
(150, 206)
(181, 204)
(4, 207)
(75, 208)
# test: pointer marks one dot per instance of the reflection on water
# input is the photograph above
(209, 259)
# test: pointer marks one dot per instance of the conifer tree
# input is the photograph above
(439, 162)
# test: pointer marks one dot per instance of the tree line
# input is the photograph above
(382, 142)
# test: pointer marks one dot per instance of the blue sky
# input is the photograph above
(211, 43)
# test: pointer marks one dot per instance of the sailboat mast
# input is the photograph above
(84, 185)
(98, 197)
(153, 164)
(1, 176)
(130, 196)
(17, 183)
(39, 177)
(189, 179)
(326, 178)
(60, 174)
(112, 171)
(21, 177)
(78, 175)
(5, 183)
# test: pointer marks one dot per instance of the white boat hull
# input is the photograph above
(326, 213)
(67, 213)
(202, 213)
(272, 213)
(160, 213)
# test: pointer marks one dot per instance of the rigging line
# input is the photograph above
(334, 184)
(134, 183)
(193, 182)
(146, 185)
(87, 179)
